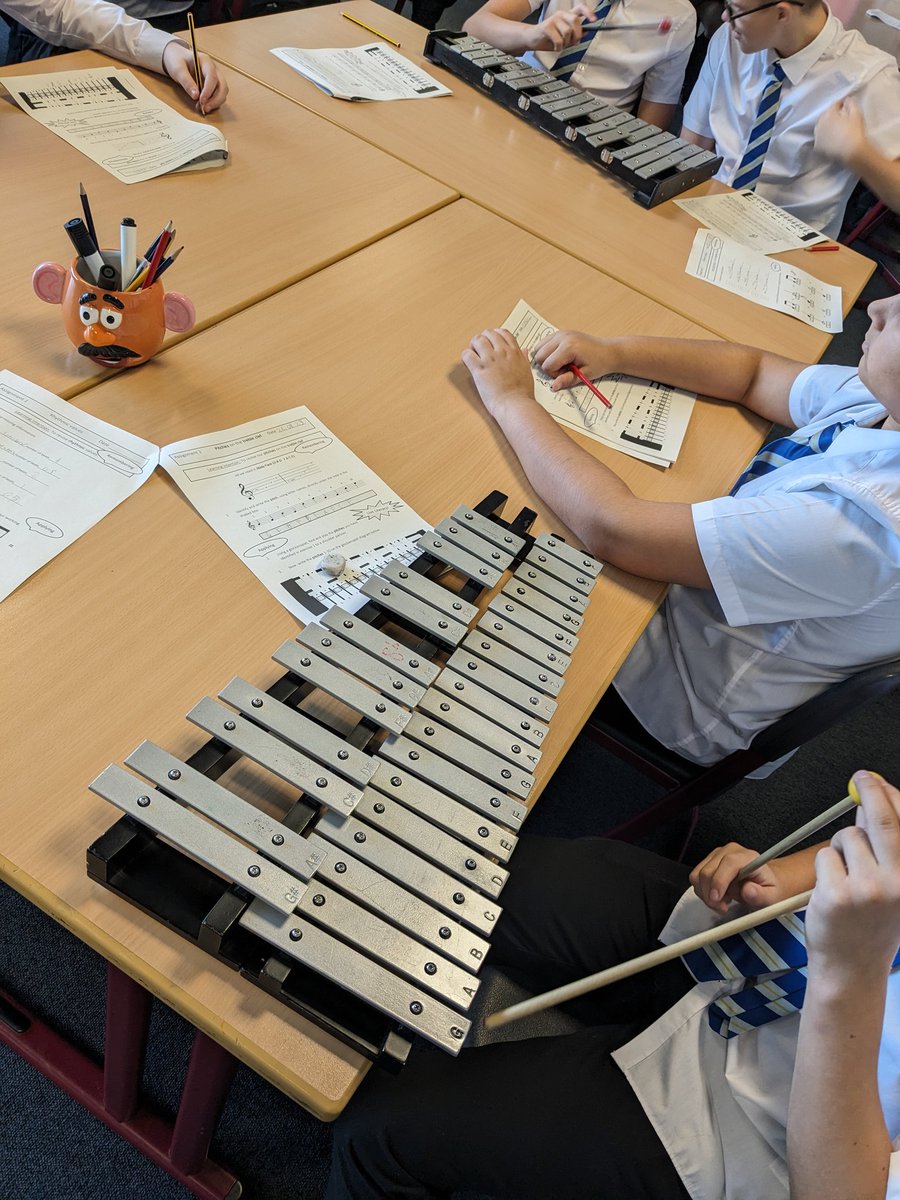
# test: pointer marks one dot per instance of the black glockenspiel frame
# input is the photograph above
(657, 165)
(193, 901)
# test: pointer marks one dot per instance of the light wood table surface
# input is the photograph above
(490, 155)
(295, 194)
(118, 637)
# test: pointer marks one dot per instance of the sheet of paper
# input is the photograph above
(282, 492)
(765, 281)
(61, 471)
(647, 420)
(751, 221)
(373, 72)
(110, 116)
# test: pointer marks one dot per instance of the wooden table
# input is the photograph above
(295, 194)
(117, 638)
(492, 156)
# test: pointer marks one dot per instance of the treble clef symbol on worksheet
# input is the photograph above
(245, 491)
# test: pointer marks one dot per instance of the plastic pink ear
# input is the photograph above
(179, 311)
(48, 280)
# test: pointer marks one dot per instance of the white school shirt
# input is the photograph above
(805, 571)
(624, 64)
(92, 25)
(719, 1105)
(837, 63)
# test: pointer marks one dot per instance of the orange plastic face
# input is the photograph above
(115, 329)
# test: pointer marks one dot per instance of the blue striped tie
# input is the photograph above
(568, 60)
(761, 134)
(787, 449)
(775, 946)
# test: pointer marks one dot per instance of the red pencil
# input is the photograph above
(158, 254)
(584, 379)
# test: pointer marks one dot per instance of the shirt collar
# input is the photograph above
(797, 66)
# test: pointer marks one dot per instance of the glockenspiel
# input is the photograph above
(368, 903)
(656, 164)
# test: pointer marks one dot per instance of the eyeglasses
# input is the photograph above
(733, 15)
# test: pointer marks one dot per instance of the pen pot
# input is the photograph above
(114, 328)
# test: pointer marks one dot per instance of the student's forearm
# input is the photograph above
(838, 1145)
(741, 374)
(655, 541)
(510, 36)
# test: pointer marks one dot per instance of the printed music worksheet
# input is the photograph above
(752, 221)
(373, 72)
(61, 471)
(283, 493)
(110, 116)
(647, 420)
(765, 281)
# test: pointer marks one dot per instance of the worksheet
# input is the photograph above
(646, 419)
(110, 116)
(373, 72)
(765, 281)
(61, 471)
(752, 221)
(303, 513)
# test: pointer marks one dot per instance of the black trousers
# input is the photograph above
(542, 1118)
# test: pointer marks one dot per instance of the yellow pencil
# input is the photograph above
(377, 32)
(197, 75)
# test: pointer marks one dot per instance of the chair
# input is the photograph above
(690, 785)
(875, 216)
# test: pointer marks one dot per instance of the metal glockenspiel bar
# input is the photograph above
(368, 903)
(655, 164)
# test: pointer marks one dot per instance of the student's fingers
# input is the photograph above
(177, 61)
(215, 86)
(714, 879)
(879, 815)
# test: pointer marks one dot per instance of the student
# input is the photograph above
(787, 585)
(662, 1095)
(841, 135)
(789, 59)
(97, 25)
(636, 59)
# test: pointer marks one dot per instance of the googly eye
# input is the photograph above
(89, 316)
(110, 319)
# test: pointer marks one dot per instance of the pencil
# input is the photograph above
(88, 217)
(193, 33)
(584, 379)
(377, 32)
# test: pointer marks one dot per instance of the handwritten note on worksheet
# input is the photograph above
(112, 118)
(765, 281)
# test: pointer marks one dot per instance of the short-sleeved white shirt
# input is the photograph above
(805, 570)
(720, 1105)
(797, 177)
(626, 61)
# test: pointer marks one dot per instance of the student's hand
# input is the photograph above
(560, 30)
(853, 918)
(178, 63)
(715, 879)
(500, 369)
(568, 346)
(841, 131)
